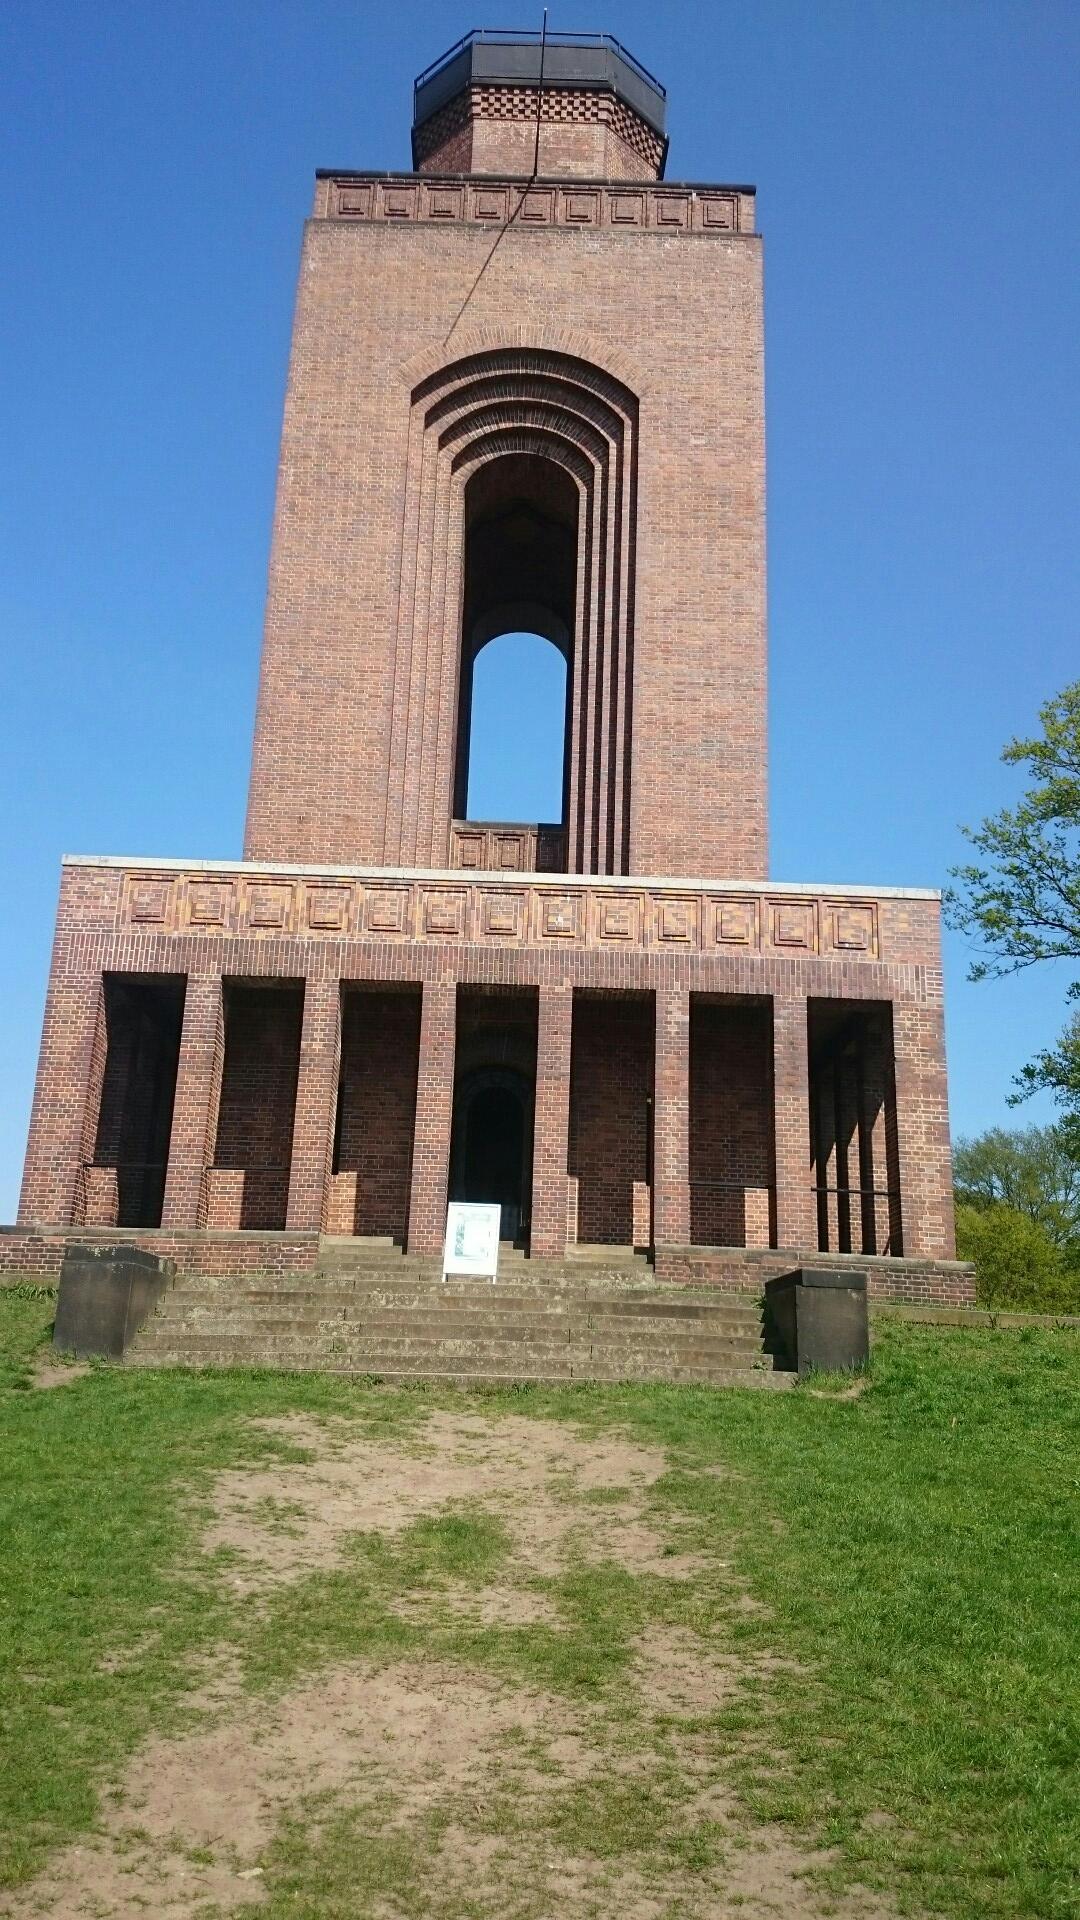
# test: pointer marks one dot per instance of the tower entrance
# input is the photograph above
(491, 1144)
(493, 1122)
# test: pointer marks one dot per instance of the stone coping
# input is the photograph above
(244, 1236)
(530, 180)
(498, 877)
(992, 1317)
(758, 1256)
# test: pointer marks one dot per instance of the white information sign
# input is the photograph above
(472, 1239)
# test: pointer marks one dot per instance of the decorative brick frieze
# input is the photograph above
(502, 847)
(538, 909)
(712, 211)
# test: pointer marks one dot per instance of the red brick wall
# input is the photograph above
(731, 1121)
(611, 1083)
(364, 590)
(258, 1099)
(509, 930)
(380, 1047)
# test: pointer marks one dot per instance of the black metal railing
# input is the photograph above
(874, 1202)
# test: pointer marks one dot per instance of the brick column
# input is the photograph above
(195, 1109)
(551, 1123)
(434, 1117)
(316, 1106)
(67, 1100)
(796, 1212)
(922, 1133)
(671, 1119)
(877, 1147)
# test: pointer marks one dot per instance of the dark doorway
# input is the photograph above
(493, 1145)
(494, 1092)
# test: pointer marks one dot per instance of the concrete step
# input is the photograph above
(494, 1375)
(358, 1308)
(378, 1313)
(385, 1346)
(378, 1354)
(648, 1299)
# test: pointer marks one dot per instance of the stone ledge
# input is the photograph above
(973, 1317)
(924, 1284)
(594, 881)
(917, 1282)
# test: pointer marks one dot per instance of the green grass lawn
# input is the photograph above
(914, 1554)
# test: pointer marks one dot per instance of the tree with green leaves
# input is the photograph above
(1021, 897)
(1032, 1170)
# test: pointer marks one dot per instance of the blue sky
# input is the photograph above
(918, 167)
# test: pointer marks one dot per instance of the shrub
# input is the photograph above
(1016, 1263)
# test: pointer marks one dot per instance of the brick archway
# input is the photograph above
(553, 407)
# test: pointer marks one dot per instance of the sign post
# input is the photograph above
(472, 1239)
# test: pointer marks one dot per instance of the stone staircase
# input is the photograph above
(369, 1309)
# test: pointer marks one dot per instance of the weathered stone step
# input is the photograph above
(494, 1376)
(407, 1298)
(647, 1299)
(355, 1305)
(435, 1315)
(379, 1344)
(376, 1354)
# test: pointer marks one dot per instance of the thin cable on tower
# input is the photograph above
(511, 217)
(539, 96)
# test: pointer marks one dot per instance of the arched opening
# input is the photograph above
(517, 731)
(520, 580)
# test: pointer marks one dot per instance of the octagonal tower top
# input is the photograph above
(600, 114)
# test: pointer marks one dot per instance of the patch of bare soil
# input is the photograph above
(48, 1372)
(280, 1521)
(483, 1606)
(197, 1812)
(422, 1748)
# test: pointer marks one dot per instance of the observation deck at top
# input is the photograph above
(496, 77)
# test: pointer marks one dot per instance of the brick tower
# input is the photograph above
(525, 392)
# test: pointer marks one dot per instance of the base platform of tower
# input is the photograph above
(525, 395)
(253, 1056)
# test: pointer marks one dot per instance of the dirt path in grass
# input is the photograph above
(425, 1786)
